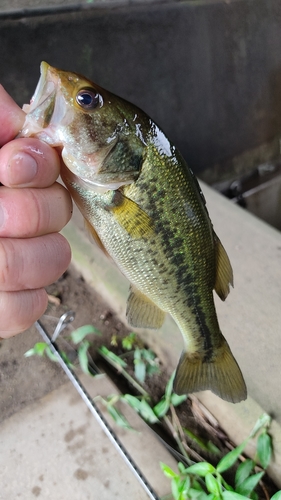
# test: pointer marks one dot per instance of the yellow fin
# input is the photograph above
(221, 375)
(131, 216)
(224, 273)
(95, 235)
(141, 312)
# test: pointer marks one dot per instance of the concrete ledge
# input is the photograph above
(250, 318)
(69, 456)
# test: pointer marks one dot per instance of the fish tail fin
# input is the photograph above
(221, 374)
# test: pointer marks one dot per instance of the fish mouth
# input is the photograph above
(47, 108)
(44, 92)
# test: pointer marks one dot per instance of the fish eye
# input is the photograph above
(88, 99)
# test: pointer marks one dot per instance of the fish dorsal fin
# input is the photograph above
(224, 274)
(142, 312)
(95, 235)
(136, 222)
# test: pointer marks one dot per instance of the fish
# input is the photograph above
(145, 209)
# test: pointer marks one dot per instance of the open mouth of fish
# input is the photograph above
(47, 110)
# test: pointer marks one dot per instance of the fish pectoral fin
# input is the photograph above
(142, 312)
(224, 273)
(136, 222)
(95, 236)
(221, 375)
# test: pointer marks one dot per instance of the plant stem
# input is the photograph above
(177, 439)
(125, 374)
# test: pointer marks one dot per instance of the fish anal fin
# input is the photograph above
(142, 312)
(221, 375)
(224, 273)
(95, 235)
(136, 222)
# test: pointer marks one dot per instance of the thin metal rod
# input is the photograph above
(97, 414)
(49, 10)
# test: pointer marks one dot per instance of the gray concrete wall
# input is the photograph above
(208, 72)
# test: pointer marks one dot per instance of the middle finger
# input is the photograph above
(30, 212)
(32, 263)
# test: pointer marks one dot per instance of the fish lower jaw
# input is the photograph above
(32, 129)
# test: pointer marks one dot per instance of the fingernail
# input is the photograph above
(22, 169)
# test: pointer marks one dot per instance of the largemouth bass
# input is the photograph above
(145, 209)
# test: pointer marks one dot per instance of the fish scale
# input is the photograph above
(145, 209)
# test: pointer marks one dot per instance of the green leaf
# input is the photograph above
(212, 448)
(197, 440)
(181, 467)
(231, 495)
(118, 418)
(186, 484)
(142, 407)
(51, 355)
(276, 496)
(197, 494)
(263, 421)
(66, 359)
(129, 341)
(148, 355)
(254, 496)
(249, 484)
(39, 349)
(134, 402)
(264, 449)
(151, 369)
(200, 469)
(111, 356)
(161, 408)
(177, 400)
(168, 471)
(212, 484)
(179, 488)
(175, 487)
(147, 412)
(80, 333)
(82, 356)
(229, 460)
(169, 386)
(243, 471)
(140, 370)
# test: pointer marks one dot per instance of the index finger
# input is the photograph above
(12, 117)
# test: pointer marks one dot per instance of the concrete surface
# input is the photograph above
(54, 448)
(209, 72)
(250, 318)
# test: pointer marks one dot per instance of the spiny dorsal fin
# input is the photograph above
(224, 274)
(221, 375)
(141, 312)
(131, 216)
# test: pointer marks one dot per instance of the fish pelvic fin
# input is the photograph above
(221, 375)
(142, 312)
(224, 273)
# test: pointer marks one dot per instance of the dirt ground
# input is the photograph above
(24, 380)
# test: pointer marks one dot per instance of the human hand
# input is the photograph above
(33, 208)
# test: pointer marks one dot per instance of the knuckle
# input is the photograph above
(19, 310)
(6, 251)
(40, 213)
